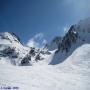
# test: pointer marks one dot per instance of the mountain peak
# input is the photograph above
(9, 37)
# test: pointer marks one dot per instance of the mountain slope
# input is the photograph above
(14, 52)
(11, 48)
(78, 61)
(72, 74)
(76, 36)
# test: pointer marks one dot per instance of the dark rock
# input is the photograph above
(26, 60)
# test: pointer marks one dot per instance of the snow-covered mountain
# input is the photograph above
(76, 36)
(64, 66)
(16, 53)
(13, 51)
(11, 48)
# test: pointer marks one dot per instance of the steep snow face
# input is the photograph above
(78, 61)
(81, 57)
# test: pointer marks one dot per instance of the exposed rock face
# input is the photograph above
(70, 38)
(26, 61)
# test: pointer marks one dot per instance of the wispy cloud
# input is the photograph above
(37, 41)
(39, 36)
(32, 43)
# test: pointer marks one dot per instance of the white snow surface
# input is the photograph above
(72, 74)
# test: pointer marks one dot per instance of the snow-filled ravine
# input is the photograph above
(72, 74)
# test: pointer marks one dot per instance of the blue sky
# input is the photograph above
(28, 18)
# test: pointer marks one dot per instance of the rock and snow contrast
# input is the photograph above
(62, 65)
(12, 49)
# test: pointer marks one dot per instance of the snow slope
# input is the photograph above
(73, 74)
(78, 61)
